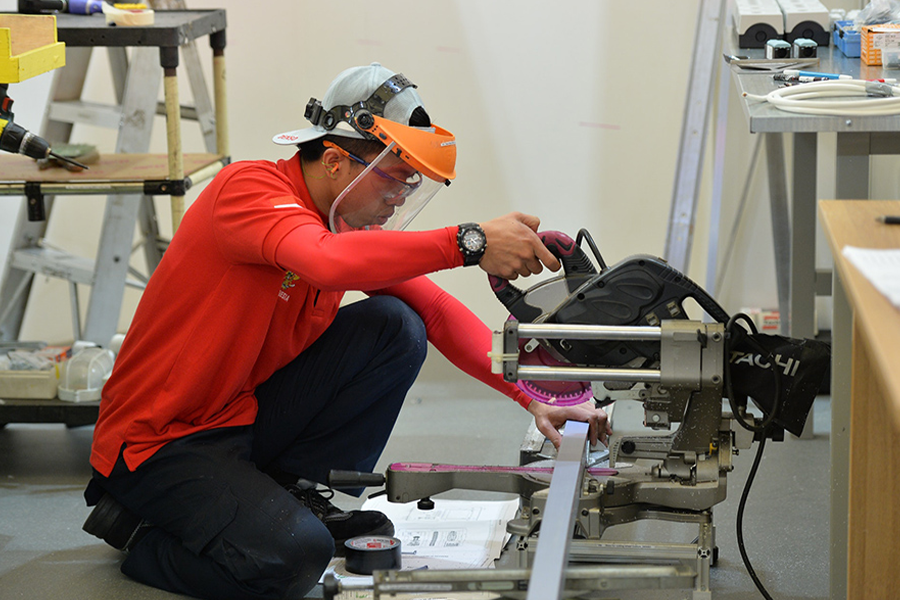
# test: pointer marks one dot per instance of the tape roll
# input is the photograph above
(128, 14)
(369, 553)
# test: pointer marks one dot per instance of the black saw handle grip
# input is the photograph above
(353, 479)
(570, 255)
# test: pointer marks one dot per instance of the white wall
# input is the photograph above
(570, 110)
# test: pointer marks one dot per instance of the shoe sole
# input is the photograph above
(101, 518)
(102, 521)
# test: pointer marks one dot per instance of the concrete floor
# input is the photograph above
(45, 555)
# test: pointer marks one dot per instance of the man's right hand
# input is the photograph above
(514, 248)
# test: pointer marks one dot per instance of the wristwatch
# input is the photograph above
(472, 243)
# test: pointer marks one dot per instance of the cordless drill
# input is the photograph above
(80, 7)
(18, 140)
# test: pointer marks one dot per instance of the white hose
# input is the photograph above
(862, 98)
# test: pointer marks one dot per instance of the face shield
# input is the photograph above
(386, 197)
(395, 186)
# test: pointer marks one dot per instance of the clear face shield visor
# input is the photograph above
(387, 194)
(398, 183)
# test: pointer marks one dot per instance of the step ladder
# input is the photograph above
(686, 189)
(706, 64)
(136, 79)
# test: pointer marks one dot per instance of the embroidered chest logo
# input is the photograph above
(289, 281)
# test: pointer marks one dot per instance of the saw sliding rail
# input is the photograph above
(512, 371)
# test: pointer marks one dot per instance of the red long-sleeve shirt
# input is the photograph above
(251, 279)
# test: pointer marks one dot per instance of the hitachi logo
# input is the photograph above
(789, 367)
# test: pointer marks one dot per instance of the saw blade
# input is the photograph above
(559, 393)
(548, 296)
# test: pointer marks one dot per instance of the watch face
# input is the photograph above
(473, 240)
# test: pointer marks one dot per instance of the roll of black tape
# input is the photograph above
(370, 553)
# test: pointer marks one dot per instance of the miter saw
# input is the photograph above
(611, 333)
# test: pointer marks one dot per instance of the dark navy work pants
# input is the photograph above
(223, 528)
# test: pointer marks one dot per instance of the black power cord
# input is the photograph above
(776, 399)
(761, 430)
(583, 234)
(740, 520)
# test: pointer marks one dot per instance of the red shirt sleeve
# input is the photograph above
(455, 331)
(365, 260)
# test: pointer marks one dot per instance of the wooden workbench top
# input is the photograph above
(110, 167)
(854, 223)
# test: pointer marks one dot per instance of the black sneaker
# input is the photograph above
(342, 525)
(115, 524)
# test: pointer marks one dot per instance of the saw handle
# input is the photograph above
(353, 479)
(570, 255)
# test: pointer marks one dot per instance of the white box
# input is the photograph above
(29, 384)
(748, 13)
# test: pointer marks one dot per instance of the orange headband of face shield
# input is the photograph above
(431, 151)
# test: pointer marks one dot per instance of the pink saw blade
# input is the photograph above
(559, 393)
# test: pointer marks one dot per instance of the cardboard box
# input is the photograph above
(55, 353)
(873, 38)
(767, 320)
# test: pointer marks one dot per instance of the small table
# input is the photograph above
(858, 139)
(171, 29)
(865, 429)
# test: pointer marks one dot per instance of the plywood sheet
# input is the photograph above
(110, 167)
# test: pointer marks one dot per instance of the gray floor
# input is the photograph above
(45, 555)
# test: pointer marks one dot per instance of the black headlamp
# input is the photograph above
(358, 115)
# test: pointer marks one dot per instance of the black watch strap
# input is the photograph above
(472, 243)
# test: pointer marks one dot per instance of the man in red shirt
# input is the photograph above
(242, 381)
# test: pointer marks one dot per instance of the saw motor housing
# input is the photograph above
(641, 290)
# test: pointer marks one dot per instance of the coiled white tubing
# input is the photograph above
(812, 98)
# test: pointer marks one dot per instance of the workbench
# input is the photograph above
(858, 139)
(794, 224)
(865, 404)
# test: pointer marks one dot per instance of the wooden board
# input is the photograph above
(110, 167)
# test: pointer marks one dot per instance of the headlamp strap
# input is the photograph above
(358, 115)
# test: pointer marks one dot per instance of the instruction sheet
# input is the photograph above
(880, 267)
(456, 534)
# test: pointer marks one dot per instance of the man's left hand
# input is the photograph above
(549, 419)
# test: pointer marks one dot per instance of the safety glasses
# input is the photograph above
(400, 189)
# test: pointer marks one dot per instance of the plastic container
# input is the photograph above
(890, 59)
(39, 385)
(84, 375)
(846, 38)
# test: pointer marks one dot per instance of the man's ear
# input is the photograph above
(331, 161)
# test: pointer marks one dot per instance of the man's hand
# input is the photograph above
(549, 419)
(514, 248)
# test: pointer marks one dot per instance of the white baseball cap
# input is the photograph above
(354, 86)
